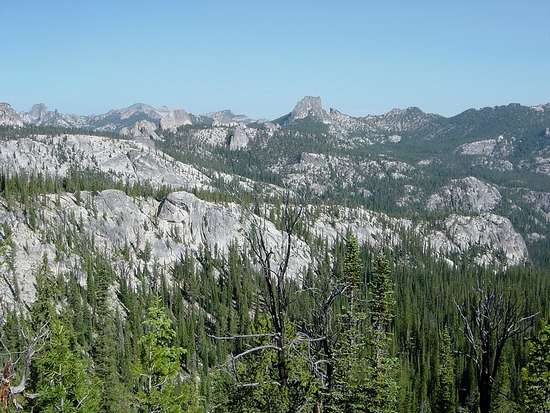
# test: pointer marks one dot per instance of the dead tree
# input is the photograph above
(272, 254)
(33, 342)
(322, 320)
(274, 272)
(8, 391)
(490, 319)
(272, 257)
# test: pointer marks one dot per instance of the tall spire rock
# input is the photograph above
(309, 107)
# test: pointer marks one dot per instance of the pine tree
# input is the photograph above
(105, 344)
(64, 382)
(384, 367)
(159, 366)
(446, 400)
(351, 370)
(536, 375)
(43, 307)
(352, 269)
(382, 304)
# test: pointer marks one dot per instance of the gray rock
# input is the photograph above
(122, 159)
(172, 119)
(484, 147)
(39, 115)
(492, 235)
(227, 118)
(469, 195)
(181, 223)
(309, 107)
(240, 137)
(8, 116)
(540, 201)
(124, 228)
(141, 129)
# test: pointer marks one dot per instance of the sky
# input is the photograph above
(259, 57)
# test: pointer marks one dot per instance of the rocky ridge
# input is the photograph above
(125, 160)
(138, 231)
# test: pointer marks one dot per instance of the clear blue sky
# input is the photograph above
(259, 57)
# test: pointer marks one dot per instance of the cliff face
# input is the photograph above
(138, 231)
(469, 195)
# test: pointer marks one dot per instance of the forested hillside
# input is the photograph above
(154, 260)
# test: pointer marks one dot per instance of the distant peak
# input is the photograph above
(309, 106)
(310, 102)
(410, 109)
(38, 109)
(39, 106)
(139, 106)
(541, 108)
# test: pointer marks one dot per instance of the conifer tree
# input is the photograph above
(159, 366)
(383, 365)
(105, 342)
(64, 382)
(43, 307)
(446, 400)
(536, 374)
(351, 371)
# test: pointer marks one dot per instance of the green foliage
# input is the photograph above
(158, 364)
(43, 308)
(398, 348)
(352, 263)
(536, 375)
(258, 387)
(445, 401)
(64, 378)
(25, 189)
(384, 385)
(382, 303)
(366, 371)
(104, 354)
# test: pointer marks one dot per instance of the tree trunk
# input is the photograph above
(281, 360)
(485, 389)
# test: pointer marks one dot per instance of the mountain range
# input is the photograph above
(476, 183)
(308, 108)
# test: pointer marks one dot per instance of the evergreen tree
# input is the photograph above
(159, 366)
(382, 303)
(106, 343)
(352, 268)
(351, 370)
(64, 381)
(446, 400)
(536, 374)
(43, 308)
(383, 365)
